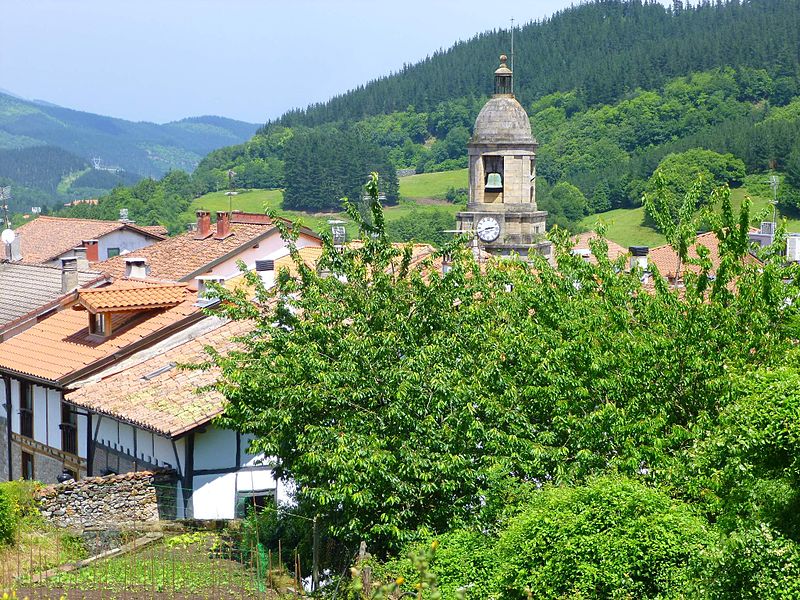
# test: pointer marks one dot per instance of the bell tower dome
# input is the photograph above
(502, 209)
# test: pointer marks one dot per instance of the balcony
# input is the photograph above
(69, 438)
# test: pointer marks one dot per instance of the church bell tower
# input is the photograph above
(502, 211)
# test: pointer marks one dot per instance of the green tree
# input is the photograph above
(395, 396)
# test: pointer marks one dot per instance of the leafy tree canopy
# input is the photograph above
(404, 401)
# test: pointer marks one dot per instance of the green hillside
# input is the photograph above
(140, 147)
(626, 225)
(604, 118)
(433, 185)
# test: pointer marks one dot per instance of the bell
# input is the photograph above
(494, 182)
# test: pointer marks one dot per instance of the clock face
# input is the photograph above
(488, 229)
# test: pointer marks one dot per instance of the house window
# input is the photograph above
(27, 465)
(26, 410)
(69, 430)
(112, 252)
(255, 500)
(97, 323)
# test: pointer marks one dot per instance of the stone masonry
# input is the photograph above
(115, 500)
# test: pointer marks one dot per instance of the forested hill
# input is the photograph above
(604, 49)
(139, 147)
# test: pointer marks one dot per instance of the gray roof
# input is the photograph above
(502, 120)
(24, 288)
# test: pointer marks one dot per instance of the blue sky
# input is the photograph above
(161, 60)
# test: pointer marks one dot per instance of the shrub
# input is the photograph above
(756, 563)
(8, 518)
(612, 538)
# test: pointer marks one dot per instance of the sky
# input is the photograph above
(163, 60)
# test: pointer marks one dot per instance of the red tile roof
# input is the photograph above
(666, 259)
(181, 257)
(61, 346)
(581, 242)
(153, 392)
(46, 238)
(143, 296)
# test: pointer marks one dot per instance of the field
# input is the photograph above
(432, 185)
(421, 195)
(626, 225)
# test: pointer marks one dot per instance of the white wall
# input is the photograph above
(215, 449)
(124, 239)
(271, 247)
(214, 494)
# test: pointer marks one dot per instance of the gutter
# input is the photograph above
(7, 381)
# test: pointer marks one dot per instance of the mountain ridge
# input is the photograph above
(144, 147)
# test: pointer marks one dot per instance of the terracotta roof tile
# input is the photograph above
(138, 297)
(46, 238)
(666, 259)
(62, 344)
(581, 243)
(155, 393)
(178, 257)
(156, 229)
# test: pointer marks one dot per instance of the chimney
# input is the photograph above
(92, 250)
(223, 225)
(80, 254)
(123, 216)
(639, 257)
(136, 268)
(266, 270)
(69, 274)
(203, 225)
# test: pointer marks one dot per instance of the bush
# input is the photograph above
(756, 563)
(612, 538)
(463, 563)
(8, 518)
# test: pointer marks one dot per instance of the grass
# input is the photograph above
(259, 200)
(626, 225)
(432, 185)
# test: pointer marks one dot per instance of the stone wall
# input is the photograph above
(115, 500)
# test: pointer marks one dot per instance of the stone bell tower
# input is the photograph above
(502, 208)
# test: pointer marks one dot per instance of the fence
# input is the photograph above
(197, 564)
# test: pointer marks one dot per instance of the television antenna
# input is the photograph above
(231, 188)
(8, 234)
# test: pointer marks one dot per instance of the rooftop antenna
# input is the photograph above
(5, 196)
(512, 55)
(231, 189)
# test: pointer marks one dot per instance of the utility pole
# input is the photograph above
(315, 557)
(773, 183)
